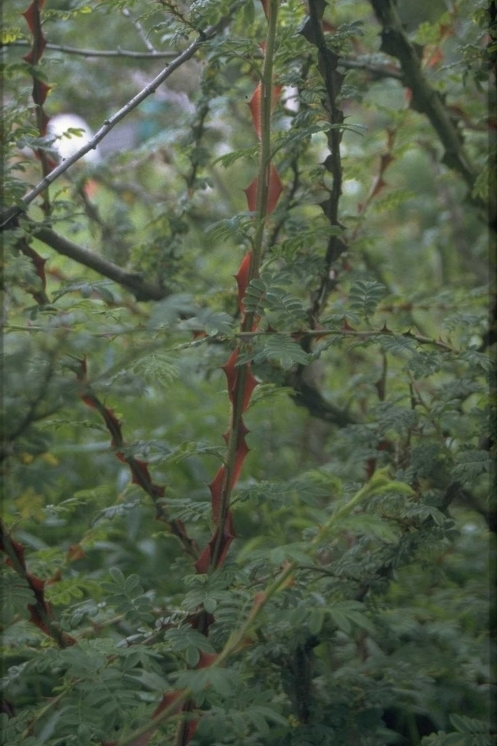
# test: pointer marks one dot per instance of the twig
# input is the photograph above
(155, 55)
(141, 31)
(379, 71)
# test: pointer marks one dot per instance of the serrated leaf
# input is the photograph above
(470, 465)
(370, 524)
(284, 350)
(464, 724)
(364, 296)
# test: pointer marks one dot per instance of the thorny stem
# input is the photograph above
(265, 152)
(262, 204)
(419, 338)
(378, 482)
(39, 605)
(152, 723)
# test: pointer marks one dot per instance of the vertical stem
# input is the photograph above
(265, 152)
(235, 431)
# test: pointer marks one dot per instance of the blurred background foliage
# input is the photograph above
(385, 634)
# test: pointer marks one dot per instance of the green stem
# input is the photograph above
(238, 637)
(152, 724)
(380, 481)
(265, 152)
(262, 205)
(419, 338)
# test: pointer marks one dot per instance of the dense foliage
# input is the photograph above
(279, 231)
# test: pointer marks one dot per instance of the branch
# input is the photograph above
(455, 491)
(141, 289)
(139, 469)
(425, 99)
(155, 55)
(310, 398)
(109, 124)
(32, 414)
(141, 31)
(332, 79)
(367, 333)
(378, 71)
(41, 614)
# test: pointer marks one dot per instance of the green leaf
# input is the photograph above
(117, 576)
(340, 619)
(470, 465)
(283, 350)
(464, 724)
(316, 620)
(364, 297)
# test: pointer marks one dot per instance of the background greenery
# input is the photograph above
(353, 606)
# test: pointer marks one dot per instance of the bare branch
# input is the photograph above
(151, 55)
(141, 289)
(141, 31)
(14, 211)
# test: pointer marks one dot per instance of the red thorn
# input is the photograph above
(242, 279)
(275, 188)
(251, 195)
(216, 487)
(255, 109)
(202, 565)
(346, 326)
(206, 659)
(231, 373)
(250, 384)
